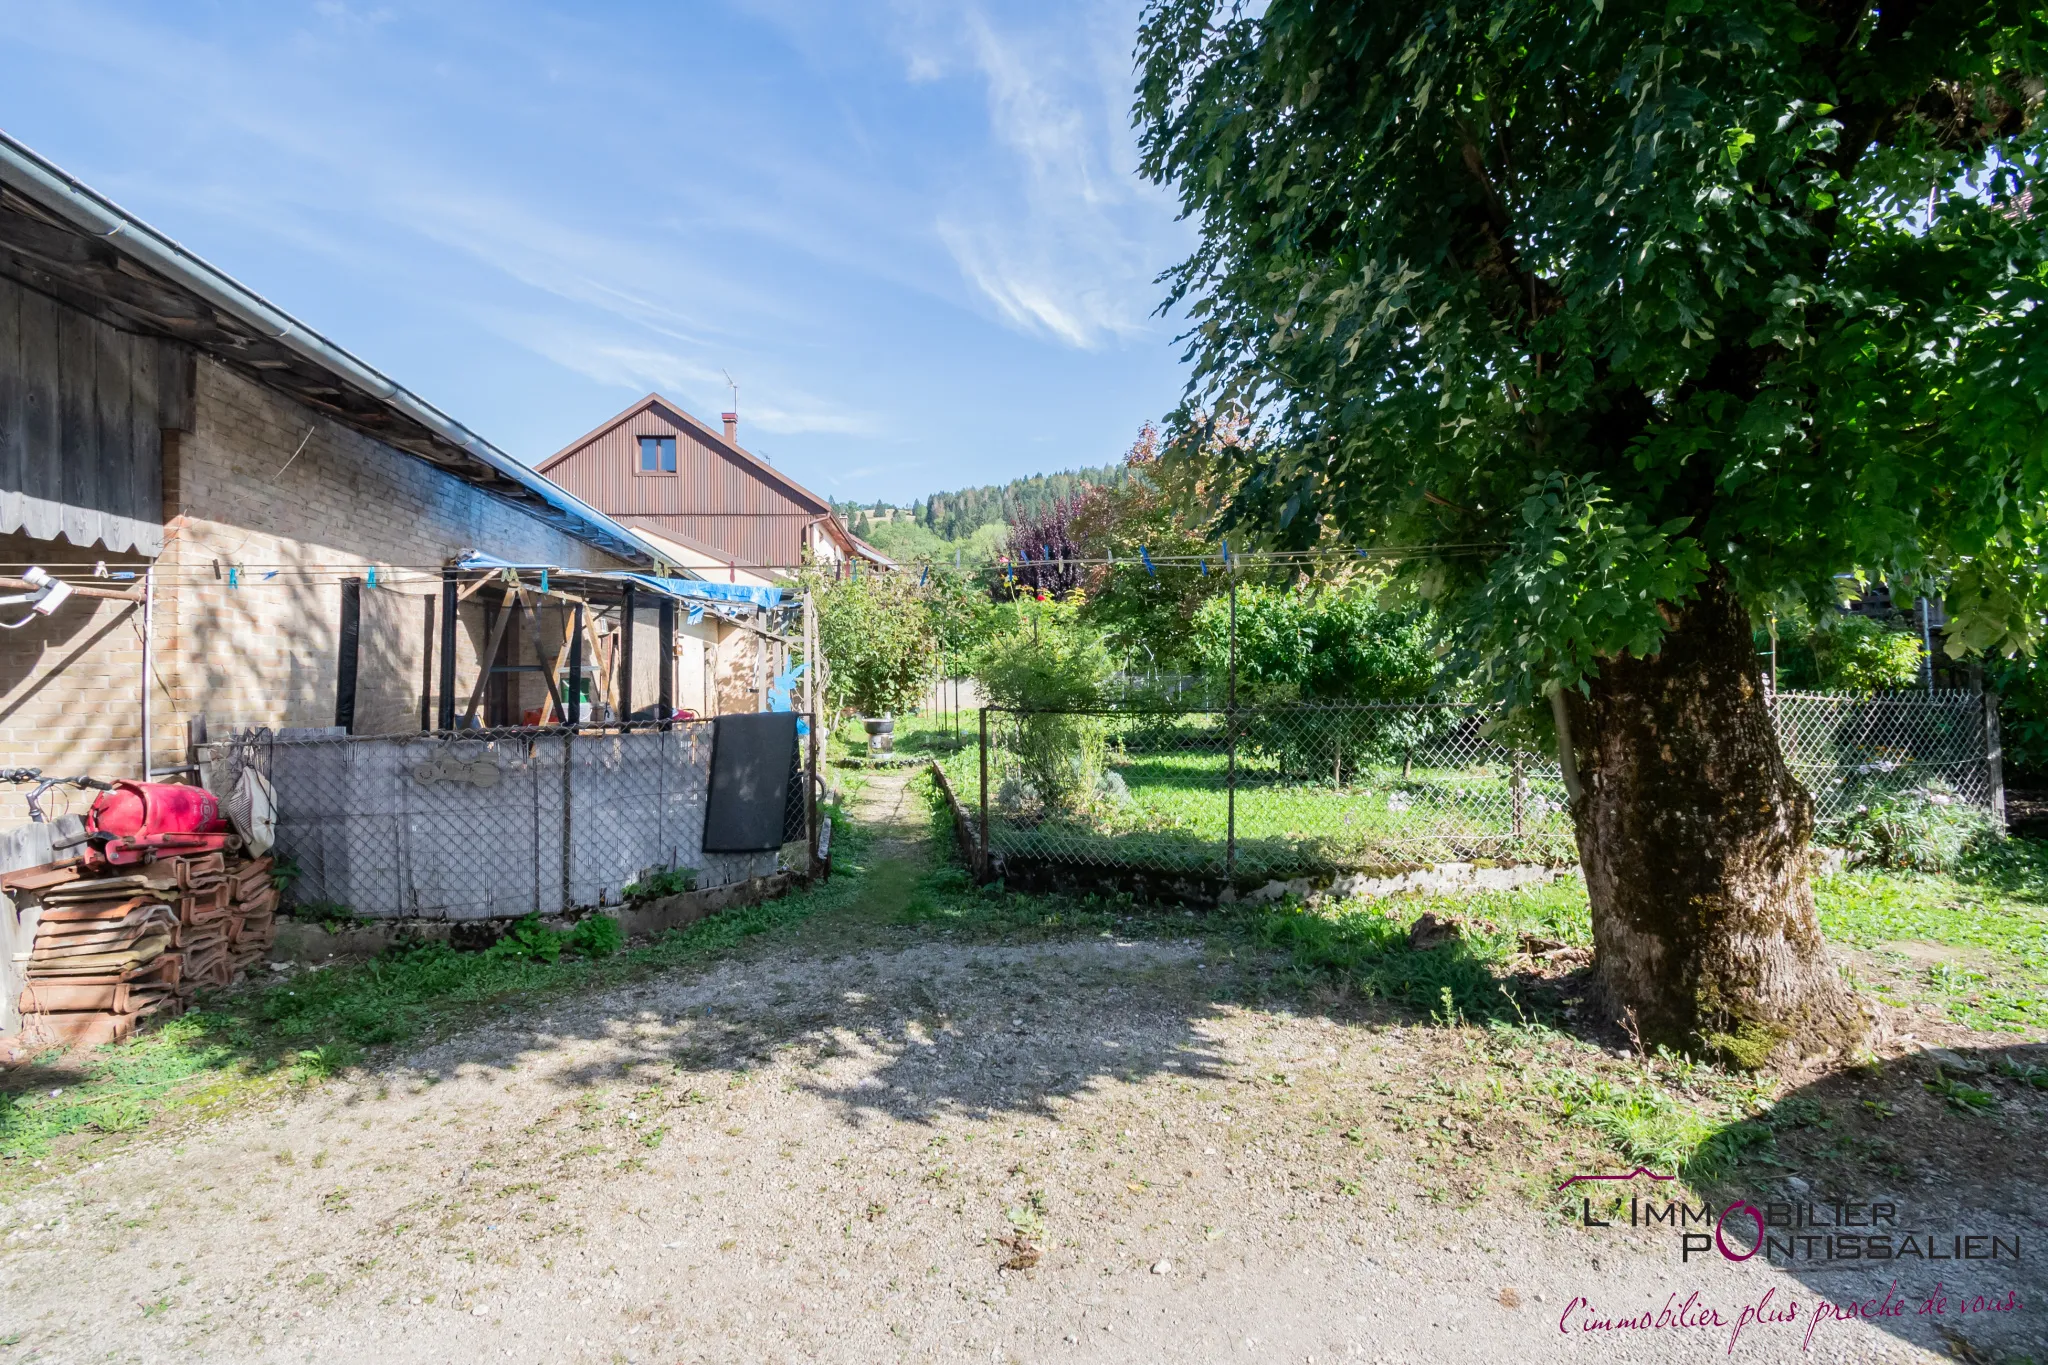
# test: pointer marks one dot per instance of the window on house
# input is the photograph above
(657, 454)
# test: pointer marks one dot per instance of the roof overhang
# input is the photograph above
(765, 598)
(61, 238)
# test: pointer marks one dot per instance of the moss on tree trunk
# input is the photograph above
(1693, 835)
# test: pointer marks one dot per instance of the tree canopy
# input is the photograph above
(1597, 301)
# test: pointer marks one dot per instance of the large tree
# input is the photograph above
(1633, 320)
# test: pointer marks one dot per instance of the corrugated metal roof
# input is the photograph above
(63, 239)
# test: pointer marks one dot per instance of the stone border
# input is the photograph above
(964, 828)
(1209, 891)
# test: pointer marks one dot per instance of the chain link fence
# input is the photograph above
(1284, 791)
(493, 823)
(1853, 751)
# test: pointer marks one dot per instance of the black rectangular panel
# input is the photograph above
(752, 760)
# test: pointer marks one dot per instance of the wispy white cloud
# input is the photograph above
(1061, 236)
(688, 380)
(884, 201)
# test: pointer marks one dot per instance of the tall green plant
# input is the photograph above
(878, 639)
(1050, 668)
(1836, 652)
(1308, 646)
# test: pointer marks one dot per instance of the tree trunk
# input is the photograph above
(1693, 836)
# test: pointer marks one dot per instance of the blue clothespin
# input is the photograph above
(1142, 554)
(1048, 552)
(1226, 554)
(1205, 568)
(234, 576)
(373, 575)
(543, 582)
(925, 576)
(272, 574)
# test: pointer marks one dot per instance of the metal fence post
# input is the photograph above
(983, 870)
(1518, 784)
(811, 799)
(624, 668)
(568, 821)
(572, 705)
(1994, 758)
(1230, 737)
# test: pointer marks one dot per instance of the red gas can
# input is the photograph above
(142, 809)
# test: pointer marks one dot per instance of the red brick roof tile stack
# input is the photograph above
(117, 946)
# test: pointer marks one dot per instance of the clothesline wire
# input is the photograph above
(338, 570)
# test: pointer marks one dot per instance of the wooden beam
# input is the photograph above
(133, 594)
(489, 661)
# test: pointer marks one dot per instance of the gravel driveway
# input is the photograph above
(1071, 1150)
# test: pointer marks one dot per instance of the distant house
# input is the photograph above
(700, 499)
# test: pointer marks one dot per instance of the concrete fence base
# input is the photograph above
(304, 941)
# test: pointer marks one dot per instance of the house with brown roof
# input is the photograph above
(701, 499)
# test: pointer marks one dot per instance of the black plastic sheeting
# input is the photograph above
(753, 771)
(351, 645)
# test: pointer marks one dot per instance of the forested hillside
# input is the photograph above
(945, 522)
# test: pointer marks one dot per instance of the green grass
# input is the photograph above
(1364, 944)
(1670, 1114)
(1994, 911)
(1179, 815)
(916, 736)
(239, 1046)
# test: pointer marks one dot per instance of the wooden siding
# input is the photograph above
(718, 498)
(82, 411)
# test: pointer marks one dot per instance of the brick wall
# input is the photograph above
(71, 682)
(296, 504)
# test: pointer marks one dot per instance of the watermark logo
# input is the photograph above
(1790, 1231)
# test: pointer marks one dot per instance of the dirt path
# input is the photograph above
(878, 1147)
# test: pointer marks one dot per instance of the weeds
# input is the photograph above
(330, 915)
(244, 1044)
(1966, 1099)
(667, 881)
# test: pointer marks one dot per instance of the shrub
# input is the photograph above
(667, 881)
(1855, 654)
(876, 633)
(2022, 687)
(1839, 652)
(1332, 645)
(1326, 646)
(1048, 670)
(1922, 830)
(530, 940)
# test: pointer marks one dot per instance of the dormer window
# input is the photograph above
(657, 454)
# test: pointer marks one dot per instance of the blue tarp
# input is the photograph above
(765, 598)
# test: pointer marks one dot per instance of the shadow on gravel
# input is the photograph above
(935, 1028)
(1911, 1193)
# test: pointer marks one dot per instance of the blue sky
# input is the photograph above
(910, 230)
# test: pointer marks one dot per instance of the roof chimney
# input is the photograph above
(732, 427)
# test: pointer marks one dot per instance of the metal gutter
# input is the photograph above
(92, 212)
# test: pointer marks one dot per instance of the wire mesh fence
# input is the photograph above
(1853, 751)
(1283, 791)
(490, 823)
